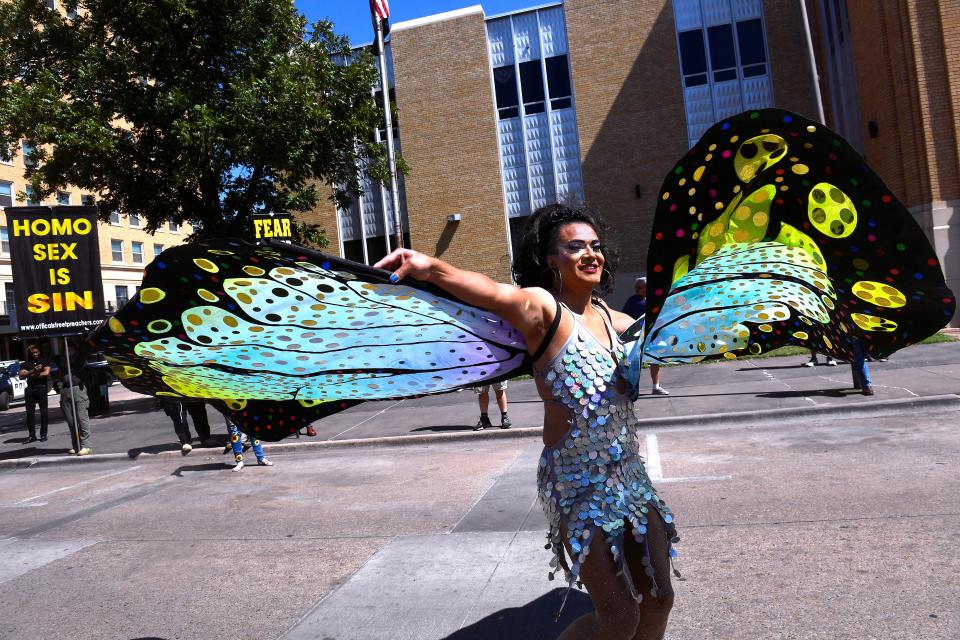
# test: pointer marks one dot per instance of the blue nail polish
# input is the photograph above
(393, 277)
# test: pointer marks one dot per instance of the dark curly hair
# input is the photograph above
(539, 238)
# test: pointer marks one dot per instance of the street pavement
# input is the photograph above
(766, 387)
(805, 512)
(804, 528)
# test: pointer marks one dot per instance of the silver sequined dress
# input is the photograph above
(593, 480)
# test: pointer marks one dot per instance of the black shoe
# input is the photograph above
(32, 439)
(483, 424)
(505, 423)
(43, 438)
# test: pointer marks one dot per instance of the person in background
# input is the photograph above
(177, 410)
(36, 371)
(635, 307)
(483, 396)
(74, 402)
(812, 362)
(236, 443)
(859, 368)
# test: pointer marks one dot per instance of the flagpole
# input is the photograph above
(388, 117)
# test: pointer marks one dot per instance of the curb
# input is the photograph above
(738, 418)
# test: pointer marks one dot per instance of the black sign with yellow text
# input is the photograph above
(273, 226)
(55, 257)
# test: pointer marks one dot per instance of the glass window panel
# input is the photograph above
(114, 217)
(693, 57)
(750, 41)
(722, 55)
(88, 200)
(562, 103)
(137, 252)
(531, 82)
(353, 250)
(4, 241)
(134, 220)
(755, 70)
(157, 250)
(173, 226)
(6, 194)
(63, 198)
(116, 250)
(695, 81)
(722, 76)
(28, 150)
(558, 76)
(122, 294)
(31, 196)
(505, 85)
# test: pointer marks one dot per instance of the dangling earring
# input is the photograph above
(605, 285)
(555, 276)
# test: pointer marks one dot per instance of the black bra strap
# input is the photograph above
(548, 337)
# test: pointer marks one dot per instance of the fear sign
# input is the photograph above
(55, 256)
(275, 226)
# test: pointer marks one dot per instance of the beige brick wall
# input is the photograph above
(445, 102)
(325, 215)
(630, 115)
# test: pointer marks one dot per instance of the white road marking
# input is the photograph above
(368, 419)
(655, 468)
(71, 486)
(875, 386)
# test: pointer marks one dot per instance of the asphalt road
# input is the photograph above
(135, 428)
(808, 528)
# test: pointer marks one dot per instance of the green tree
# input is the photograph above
(201, 111)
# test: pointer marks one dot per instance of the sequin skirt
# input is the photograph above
(595, 490)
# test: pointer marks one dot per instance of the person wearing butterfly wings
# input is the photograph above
(609, 529)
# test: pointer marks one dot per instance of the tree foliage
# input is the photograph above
(201, 111)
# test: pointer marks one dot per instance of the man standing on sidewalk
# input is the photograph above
(635, 307)
(75, 403)
(483, 396)
(36, 371)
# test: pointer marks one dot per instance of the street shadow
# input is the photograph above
(825, 393)
(127, 407)
(442, 428)
(209, 466)
(154, 448)
(536, 620)
(794, 366)
(30, 452)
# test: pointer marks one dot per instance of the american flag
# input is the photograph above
(380, 9)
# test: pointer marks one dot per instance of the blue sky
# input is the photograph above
(352, 17)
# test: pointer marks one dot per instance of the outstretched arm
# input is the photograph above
(525, 309)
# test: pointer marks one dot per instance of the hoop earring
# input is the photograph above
(556, 275)
(605, 285)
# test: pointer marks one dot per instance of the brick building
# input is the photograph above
(594, 101)
(125, 248)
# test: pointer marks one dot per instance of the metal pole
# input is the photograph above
(388, 117)
(74, 433)
(813, 61)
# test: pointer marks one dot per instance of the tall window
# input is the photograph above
(115, 217)
(88, 200)
(6, 194)
(173, 226)
(31, 197)
(537, 130)
(29, 152)
(116, 250)
(723, 60)
(134, 220)
(137, 252)
(4, 241)
(157, 250)
(6, 154)
(63, 198)
(122, 294)
(11, 305)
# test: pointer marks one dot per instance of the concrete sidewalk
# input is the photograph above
(739, 391)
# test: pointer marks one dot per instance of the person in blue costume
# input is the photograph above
(236, 443)
(609, 529)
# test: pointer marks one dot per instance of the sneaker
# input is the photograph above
(186, 448)
(238, 466)
(264, 462)
(659, 391)
(32, 439)
(72, 452)
(43, 438)
(868, 391)
(812, 362)
(505, 422)
(311, 431)
(483, 424)
(85, 451)
(831, 362)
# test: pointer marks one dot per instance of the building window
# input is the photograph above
(173, 226)
(11, 306)
(29, 153)
(116, 250)
(122, 295)
(4, 241)
(63, 198)
(137, 252)
(157, 250)
(6, 194)
(115, 218)
(50, 4)
(31, 197)
(536, 123)
(88, 200)
(6, 154)
(723, 60)
(134, 220)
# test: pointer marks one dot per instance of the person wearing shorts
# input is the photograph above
(483, 395)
